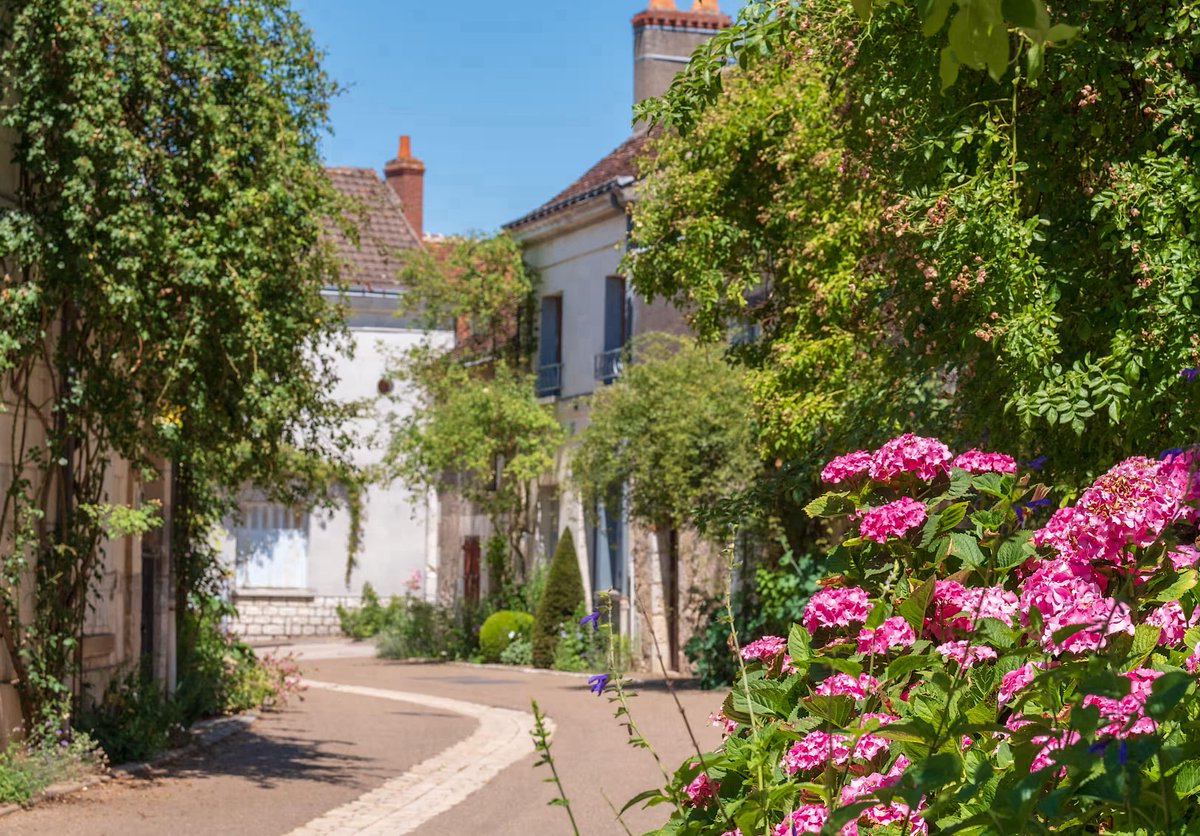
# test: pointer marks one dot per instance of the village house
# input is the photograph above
(289, 564)
(586, 317)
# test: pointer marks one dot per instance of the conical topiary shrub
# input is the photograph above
(562, 594)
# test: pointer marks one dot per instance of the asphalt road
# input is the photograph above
(332, 748)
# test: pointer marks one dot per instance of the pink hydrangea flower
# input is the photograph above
(700, 791)
(881, 814)
(893, 632)
(807, 818)
(718, 720)
(817, 749)
(1173, 621)
(1184, 557)
(958, 607)
(1015, 680)
(836, 607)
(843, 683)
(843, 467)
(1130, 505)
(764, 649)
(976, 461)
(892, 519)
(965, 653)
(908, 453)
(1127, 715)
(1050, 742)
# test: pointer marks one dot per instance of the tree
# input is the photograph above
(165, 263)
(1012, 261)
(561, 596)
(487, 433)
(675, 432)
(476, 424)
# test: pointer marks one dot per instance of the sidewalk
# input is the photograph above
(336, 746)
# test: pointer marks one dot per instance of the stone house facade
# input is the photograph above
(289, 565)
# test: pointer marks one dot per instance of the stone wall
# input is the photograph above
(270, 615)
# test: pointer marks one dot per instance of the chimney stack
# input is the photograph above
(664, 37)
(406, 176)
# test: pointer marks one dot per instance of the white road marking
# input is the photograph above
(435, 785)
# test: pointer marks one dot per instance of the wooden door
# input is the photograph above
(471, 569)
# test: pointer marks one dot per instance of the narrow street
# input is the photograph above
(355, 756)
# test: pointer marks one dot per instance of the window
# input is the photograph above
(616, 330)
(549, 371)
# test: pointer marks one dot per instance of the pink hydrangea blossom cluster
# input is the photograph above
(764, 649)
(1130, 505)
(846, 466)
(1015, 680)
(1127, 715)
(958, 607)
(893, 519)
(1068, 593)
(965, 653)
(817, 749)
(700, 791)
(843, 683)
(977, 461)
(926, 458)
(1049, 743)
(1184, 557)
(895, 812)
(1173, 621)
(893, 632)
(836, 607)
(807, 818)
(718, 720)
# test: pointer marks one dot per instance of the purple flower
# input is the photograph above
(597, 683)
(593, 617)
(1022, 507)
(1170, 454)
(1190, 374)
(1036, 463)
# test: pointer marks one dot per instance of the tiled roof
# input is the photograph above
(383, 231)
(621, 162)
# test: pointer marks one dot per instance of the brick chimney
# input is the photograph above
(406, 176)
(663, 39)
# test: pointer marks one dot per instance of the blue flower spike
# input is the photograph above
(1189, 375)
(593, 617)
(1036, 463)
(597, 683)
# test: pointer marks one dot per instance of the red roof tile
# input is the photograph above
(622, 161)
(383, 230)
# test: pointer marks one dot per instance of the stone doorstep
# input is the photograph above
(206, 734)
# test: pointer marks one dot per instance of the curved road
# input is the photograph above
(382, 747)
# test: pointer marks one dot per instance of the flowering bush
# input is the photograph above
(965, 670)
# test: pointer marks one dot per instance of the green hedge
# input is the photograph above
(500, 630)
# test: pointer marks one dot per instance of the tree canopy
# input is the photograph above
(1012, 262)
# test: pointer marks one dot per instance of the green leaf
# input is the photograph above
(1187, 778)
(863, 8)
(913, 607)
(933, 15)
(951, 516)
(1166, 693)
(645, 795)
(903, 665)
(936, 771)
(947, 67)
(836, 708)
(1061, 32)
(829, 505)
(1145, 639)
(799, 645)
(1020, 12)
(1185, 579)
(966, 547)
(1015, 550)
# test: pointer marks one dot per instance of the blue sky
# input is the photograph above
(507, 101)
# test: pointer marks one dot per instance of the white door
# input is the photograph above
(272, 546)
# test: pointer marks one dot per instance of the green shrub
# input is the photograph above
(418, 629)
(767, 607)
(136, 719)
(519, 652)
(371, 617)
(500, 630)
(48, 757)
(562, 595)
(580, 647)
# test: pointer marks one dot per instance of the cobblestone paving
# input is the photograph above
(434, 785)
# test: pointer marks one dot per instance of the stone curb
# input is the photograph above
(205, 735)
